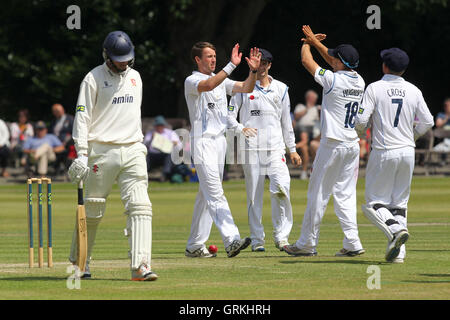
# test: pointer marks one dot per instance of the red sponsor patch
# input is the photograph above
(252, 97)
(95, 168)
(133, 82)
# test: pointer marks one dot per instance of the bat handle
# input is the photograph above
(80, 193)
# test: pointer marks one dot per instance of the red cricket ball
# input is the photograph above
(212, 249)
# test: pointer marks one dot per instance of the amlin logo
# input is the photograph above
(123, 99)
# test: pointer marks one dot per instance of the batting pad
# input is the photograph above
(139, 233)
(374, 217)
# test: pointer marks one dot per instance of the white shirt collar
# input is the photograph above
(392, 77)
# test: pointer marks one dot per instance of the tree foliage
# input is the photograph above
(42, 61)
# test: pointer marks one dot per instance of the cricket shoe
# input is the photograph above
(347, 253)
(393, 248)
(143, 273)
(398, 260)
(294, 251)
(280, 244)
(236, 246)
(258, 248)
(87, 272)
(199, 253)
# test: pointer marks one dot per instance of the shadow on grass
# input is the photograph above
(430, 250)
(40, 278)
(31, 278)
(312, 260)
(433, 275)
(426, 281)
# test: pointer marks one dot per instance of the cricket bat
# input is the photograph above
(81, 230)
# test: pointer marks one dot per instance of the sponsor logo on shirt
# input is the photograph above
(123, 99)
(352, 92)
(361, 110)
(255, 113)
(211, 105)
(80, 108)
(107, 85)
(133, 82)
(230, 108)
(321, 72)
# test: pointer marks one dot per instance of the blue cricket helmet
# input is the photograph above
(118, 47)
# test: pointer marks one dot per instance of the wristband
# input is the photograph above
(254, 71)
(229, 68)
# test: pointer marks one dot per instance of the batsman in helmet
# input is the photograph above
(108, 139)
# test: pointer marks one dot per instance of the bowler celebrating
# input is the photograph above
(392, 104)
(108, 139)
(335, 168)
(206, 98)
(266, 123)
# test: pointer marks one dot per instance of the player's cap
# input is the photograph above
(265, 55)
(347, 54)
(118, 46)
(395, 59)
(160, 121)
(40, 125)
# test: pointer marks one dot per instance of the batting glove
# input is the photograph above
(79, 169)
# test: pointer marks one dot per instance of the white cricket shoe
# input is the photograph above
(236, 246)
(258, 248)
(199, 253)
(347, 253)
(398, 260)
(295, 251)
(280, 244)
(143, 273)
(393, 247)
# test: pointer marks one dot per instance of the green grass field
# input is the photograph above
(270, 275)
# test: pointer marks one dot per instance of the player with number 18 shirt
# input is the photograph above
(335, 168)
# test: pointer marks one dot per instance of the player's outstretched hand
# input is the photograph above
(310, 37)
(295, 159)
(236, 56)
(255, 59)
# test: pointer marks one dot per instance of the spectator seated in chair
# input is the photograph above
(41, 149)
(159, 142)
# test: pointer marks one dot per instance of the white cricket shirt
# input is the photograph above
(108, 108)
(268, 110)
(207, 110)
(341, 97)
(393, 103)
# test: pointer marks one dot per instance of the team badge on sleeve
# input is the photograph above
(80, 108)
(361, 110)
(321, 72)
(231, 108)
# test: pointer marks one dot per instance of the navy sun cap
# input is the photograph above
(347, 54)
(395, 59)
(265, 55)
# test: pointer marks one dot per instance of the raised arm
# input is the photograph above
(308, 60)
(253, 62)
(315, 41)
